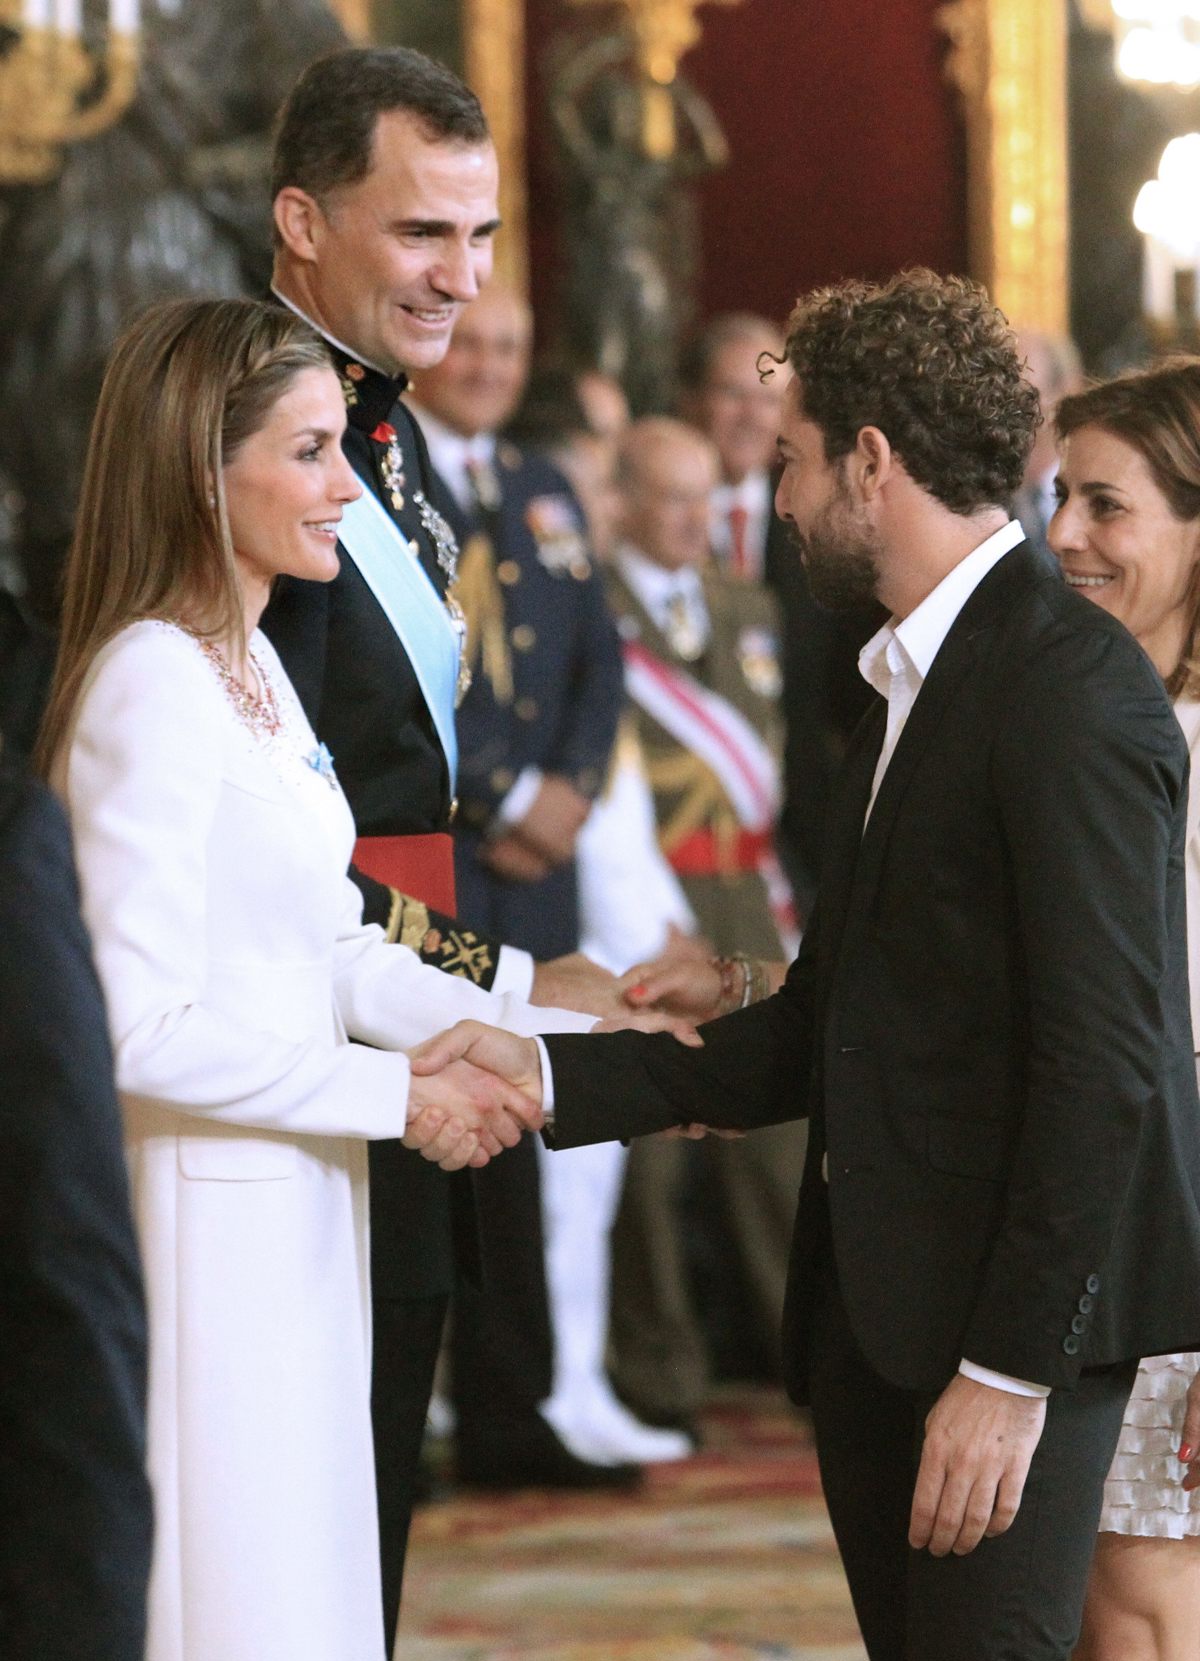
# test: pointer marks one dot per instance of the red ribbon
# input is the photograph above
(384, 433)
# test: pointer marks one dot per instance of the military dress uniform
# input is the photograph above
(722, 634)
(362, 695)
(545, 697)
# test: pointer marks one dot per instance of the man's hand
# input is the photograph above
(510, 1063)
(652, 1020)
(1189, 1441)
(460, 1110)
(553, 823)
(517, 861)
(979, 1442)
(575, 982)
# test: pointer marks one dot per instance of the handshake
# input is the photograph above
(475, 1090)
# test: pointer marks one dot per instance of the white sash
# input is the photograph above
(711, 728)
(392, 570)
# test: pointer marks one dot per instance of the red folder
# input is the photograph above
(420, 866)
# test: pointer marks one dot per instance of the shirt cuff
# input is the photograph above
(1001, 1381)
(520, 798)
(547, 1086)
(514, 973)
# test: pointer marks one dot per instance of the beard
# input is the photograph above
(840, 560)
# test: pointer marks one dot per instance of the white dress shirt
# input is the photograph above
(895, 661)
(665, 594)
(454, 456)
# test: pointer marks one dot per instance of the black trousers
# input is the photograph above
(1015, 1598)
(503, 1348)
(407, 1334)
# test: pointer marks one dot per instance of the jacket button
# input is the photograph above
(1086, 1304)
(509, 572)
(1071, 1344)
(453, 813)
(1079, 1323)
(527, 709)
(524, 637)
(1093, 1284)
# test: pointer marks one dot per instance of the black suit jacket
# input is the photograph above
(988, 1020)
(74, 1502)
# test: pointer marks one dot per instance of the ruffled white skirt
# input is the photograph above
(1142, 1494)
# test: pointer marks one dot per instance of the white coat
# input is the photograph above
(242, 991)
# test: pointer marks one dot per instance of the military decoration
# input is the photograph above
(558, 536)
(351, 375)
(685, 629)
(321, 763)
(458, 622)
(392, 464)
(758, 655)
(445, 545)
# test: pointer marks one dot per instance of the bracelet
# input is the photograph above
(734, 995)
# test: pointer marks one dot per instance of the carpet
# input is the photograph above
(724, 1557)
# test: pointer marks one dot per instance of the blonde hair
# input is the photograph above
(187, 384)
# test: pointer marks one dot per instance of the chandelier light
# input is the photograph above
(1158, 42)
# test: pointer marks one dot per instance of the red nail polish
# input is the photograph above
(1185, 1453)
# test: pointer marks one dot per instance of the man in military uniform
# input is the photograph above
(384, 184)
(535, 733)
(702, 672)
(727, 396)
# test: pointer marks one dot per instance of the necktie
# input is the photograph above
(739, 552)
(485, 486)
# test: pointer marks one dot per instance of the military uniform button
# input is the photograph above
(1071, 1344)
(1093, 1284)
(580, 569)
(453, 814)
(1079, 1323)
(524, 637)
(527, 709)
(509, 572)
(502, 779)
(1086, 1304)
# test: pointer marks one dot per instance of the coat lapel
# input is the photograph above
(844, 831)
(958, 654)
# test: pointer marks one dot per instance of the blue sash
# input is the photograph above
(392, 570)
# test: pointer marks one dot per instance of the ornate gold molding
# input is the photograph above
(494, 54)
(1009, 60)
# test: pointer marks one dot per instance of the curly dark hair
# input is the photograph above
(933, 364)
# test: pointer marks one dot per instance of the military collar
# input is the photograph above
(370, 394)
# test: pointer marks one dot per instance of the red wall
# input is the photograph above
(848, 155)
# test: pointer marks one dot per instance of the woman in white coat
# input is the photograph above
(213, 842)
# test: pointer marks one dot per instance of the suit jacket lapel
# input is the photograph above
(844, 830)
(953, 662)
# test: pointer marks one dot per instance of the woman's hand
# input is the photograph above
(474, 1091)
(686, 986)
(1189, 1440)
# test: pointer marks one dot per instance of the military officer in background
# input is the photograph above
(727, 395)
(535, 733)
(384, 185)
(702, 672)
